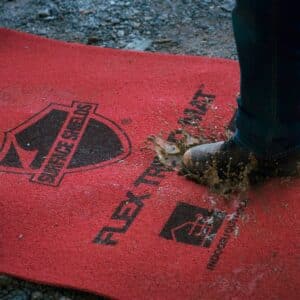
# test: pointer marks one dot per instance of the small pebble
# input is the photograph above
(139, 44)
(43, 13)
(120, 33)
(92, 40)
(37, 296)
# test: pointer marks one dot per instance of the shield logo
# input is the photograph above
(63, 139)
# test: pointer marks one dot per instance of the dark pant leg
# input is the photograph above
(267, 34)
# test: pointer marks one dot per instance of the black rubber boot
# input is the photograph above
(229, 162)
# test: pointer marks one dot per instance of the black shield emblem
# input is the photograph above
(60, 140)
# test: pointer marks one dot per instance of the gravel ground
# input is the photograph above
(197, 27)
(200, 27)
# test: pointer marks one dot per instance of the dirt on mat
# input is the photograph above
(170, 154)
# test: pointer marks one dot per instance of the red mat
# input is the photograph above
(84, 204)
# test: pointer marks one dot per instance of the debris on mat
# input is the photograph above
(170, 153)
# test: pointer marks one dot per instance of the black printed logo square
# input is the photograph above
(193, 225)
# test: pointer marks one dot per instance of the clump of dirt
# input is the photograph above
(230, 180)
(170, 151)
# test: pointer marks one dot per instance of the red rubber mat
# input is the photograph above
(85, 204)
